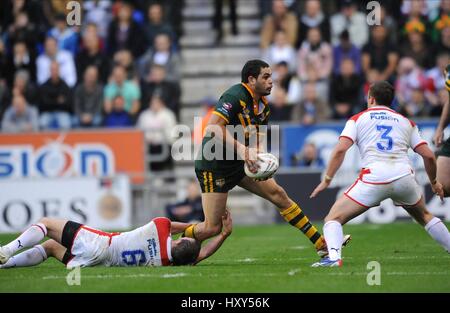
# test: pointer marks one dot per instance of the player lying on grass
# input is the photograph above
(78, 245)
(383, 137)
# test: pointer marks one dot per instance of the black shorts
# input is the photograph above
(68, 235)
(445, 150)
(220, 181)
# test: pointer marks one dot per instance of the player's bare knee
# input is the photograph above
(46, 221)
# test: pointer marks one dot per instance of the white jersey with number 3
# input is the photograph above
(383, 137)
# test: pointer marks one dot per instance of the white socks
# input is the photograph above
(439, 232)
(32, 236)
(29, 257)
(334, 236)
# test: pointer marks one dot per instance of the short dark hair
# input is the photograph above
(252, 68)
(185, 252)
(383, 92)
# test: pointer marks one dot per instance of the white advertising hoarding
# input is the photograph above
(103, 203)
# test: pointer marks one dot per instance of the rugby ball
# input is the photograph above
(268, 165)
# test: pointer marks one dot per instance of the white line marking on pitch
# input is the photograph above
(293, 272)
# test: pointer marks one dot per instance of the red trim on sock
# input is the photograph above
(45, 234)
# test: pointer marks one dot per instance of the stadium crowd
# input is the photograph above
(121, 67)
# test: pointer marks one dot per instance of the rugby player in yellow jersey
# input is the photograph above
(245, 107)
(443, 155)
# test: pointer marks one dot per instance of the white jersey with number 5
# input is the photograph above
(383, 137)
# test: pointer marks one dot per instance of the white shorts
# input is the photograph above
(90, 247)
(403, 191)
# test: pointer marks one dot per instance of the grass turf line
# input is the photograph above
(272, 258)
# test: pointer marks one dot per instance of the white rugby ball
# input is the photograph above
(268, 165)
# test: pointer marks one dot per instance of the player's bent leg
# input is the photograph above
(30, 257)
(443, 173)
(288, 209)
(214, 206)
(54, 226)
(433, 225)
(54, 249)
(30, 237)
(343, 210)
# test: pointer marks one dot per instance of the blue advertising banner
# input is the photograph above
(325, 137)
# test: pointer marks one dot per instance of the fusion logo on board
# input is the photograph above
(56, 160)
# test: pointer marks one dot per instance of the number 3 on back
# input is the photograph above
(386, 141)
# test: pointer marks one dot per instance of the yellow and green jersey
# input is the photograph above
(237, 107)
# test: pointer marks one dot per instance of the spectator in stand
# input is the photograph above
(4, 71)
(25, 87)
(91, 54)
(156, 84)
(351, 19)
(67, 37)
(125, 33)
(390, 25)
(313, 17)
(119, 85)
(284, 79)
(410, 78)
(416, 45)
(161, 54)
(444, 43)
(21, 59)
(316, 55)
(415, 11)
(280, 51)
(125, 59)
(346, 50)
(311, 109)
(158, 122)
(218, 18)
(436, 108)
(346, 87)
(308, 157)
(55, 106)
(118, 116)
(190, 210)
(435, 75)
(23, 30)
(64, 58)
(417, 106)
(379, 54)
(20, 117)
(98, 12)
(280, 19)
(157, 23)
(88, 100)
(441, 21)
(280, 110)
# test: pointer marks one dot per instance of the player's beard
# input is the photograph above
(263, 91)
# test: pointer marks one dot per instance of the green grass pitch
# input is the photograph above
(274, 258)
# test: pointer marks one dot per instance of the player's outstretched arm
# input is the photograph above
(337, 157)
(429, 160)
(215, 243)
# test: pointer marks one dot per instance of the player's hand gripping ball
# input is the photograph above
(268, 165)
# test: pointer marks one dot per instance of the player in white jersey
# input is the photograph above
(383, 137)
(76, 245)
